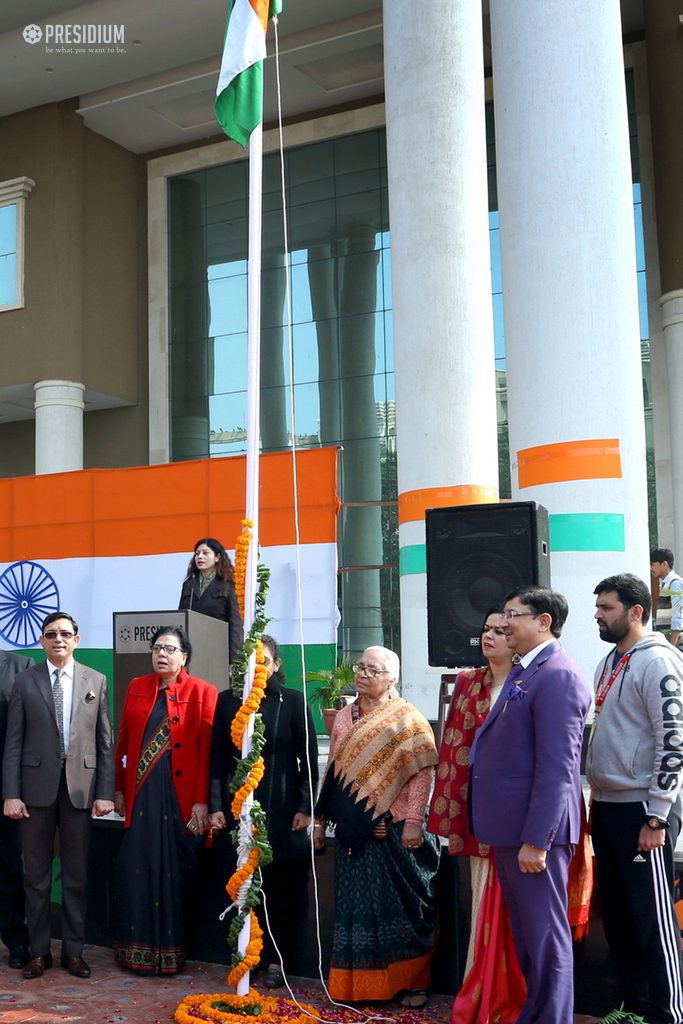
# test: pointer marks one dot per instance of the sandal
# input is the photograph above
(415, 998)
(274, 977)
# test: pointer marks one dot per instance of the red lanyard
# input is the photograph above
(604, 688)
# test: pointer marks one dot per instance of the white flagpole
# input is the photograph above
(253, 449)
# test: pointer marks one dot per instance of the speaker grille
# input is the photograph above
(476, 554)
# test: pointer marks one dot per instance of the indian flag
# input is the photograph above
(99, 541)
(239, 94)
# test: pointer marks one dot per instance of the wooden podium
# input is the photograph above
(133, 636)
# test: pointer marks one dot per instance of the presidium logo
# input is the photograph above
(77, 38)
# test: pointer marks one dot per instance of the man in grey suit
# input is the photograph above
(13, 930)
(58, 772)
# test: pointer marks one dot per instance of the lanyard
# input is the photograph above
(604, 687)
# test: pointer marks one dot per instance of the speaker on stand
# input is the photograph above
(477, 554)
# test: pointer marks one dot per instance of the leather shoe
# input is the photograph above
(76, 966)
(37, 965)
(19, 956)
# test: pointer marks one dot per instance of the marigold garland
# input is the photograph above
(252, 955)
(253, 701)
(243, 873)
(267, 1009)
(241, 552)
(249, 772)
(253, 779)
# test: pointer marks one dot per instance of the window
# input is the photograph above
(12, 197)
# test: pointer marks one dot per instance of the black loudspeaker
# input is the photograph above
(477, 554)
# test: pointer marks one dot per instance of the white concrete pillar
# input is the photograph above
(441, 283)
(672, 323)
(575, 398)
(59, 426)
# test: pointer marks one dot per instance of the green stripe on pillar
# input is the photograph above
(412, 559)
(587, 531)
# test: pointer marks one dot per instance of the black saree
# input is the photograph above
(156, 863)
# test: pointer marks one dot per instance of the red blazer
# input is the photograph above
(191, 704)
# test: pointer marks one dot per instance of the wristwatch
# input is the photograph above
(655, 823)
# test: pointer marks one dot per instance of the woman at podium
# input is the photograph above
(209, 589)
(162, 788)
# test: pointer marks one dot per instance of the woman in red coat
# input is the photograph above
(162, 782)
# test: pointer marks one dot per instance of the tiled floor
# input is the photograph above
(116, 996)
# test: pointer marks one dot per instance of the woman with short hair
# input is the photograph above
(375, 791)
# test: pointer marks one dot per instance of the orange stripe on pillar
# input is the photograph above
(412, 505)
(596, 459)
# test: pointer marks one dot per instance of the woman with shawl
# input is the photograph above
(494, 987)
(376, 789)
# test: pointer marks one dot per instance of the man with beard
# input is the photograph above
(634, 766)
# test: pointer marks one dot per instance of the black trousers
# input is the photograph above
(636, 894)
(38, 835)
(13, 930)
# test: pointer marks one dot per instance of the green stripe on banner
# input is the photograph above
(412, 559)
(587, 531)
(317, 656)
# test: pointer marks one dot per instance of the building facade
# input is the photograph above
(483, 262)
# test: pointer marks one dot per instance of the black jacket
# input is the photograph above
(284, 790)
(10, 666)
(220, 601)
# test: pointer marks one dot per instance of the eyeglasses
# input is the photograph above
(359, 667)
(166, 648)
(514, 614)
(52, 634)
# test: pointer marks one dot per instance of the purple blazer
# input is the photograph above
(525, 768)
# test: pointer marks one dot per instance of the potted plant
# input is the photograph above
(330, 696)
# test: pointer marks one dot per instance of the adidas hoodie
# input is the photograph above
(636, 746)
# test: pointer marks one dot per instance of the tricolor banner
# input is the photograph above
(98, 541)
(239, 94)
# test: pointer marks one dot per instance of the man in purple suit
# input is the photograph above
(525, 795)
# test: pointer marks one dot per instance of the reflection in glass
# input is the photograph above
(8, 279)
(342, 344)
(8, 229)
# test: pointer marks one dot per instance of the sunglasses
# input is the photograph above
(52, 634)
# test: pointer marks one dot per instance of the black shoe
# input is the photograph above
(19, 956)
(622, 1016)
(274, 978)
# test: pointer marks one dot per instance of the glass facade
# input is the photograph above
(342, 344)
(340, 275)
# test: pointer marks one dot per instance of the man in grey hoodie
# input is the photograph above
(635, 769)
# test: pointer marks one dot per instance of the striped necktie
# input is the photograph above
(58, 694)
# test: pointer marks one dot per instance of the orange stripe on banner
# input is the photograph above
(412, 505)
(571, 460)
(153, 510)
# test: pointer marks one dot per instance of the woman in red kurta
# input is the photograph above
(162, 781)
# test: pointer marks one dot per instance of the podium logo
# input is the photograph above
(33, 33)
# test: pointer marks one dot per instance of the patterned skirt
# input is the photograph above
(385, 917)
(155, 868)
